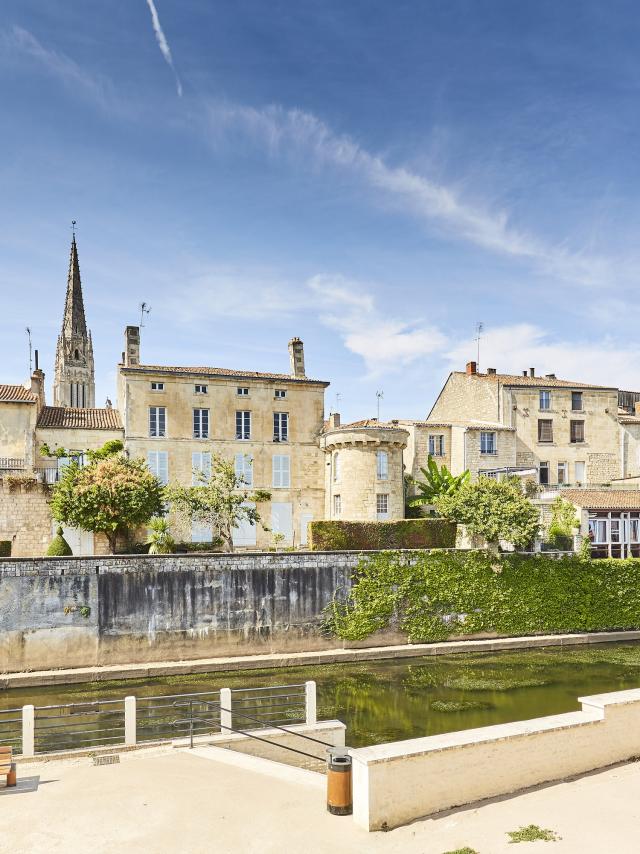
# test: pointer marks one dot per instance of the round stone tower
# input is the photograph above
(364, 473)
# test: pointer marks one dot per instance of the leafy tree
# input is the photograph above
(492, 509)
(219, 500)
(110, 495)
(437, 481)
(160, 542)
(563, 524)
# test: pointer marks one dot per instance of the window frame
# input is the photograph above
(161, 433)
(280, 426)
(337, 505)
(382, 471)
(242, 391)
(280, 394)
(544, 465)
(156, 385)
(433, 444)
(573, 423)
(580, 395)
(200, 428)
(382, 498)
(201, 388)
(283, 472)
(243, 417)
(545, 424)
(494, 442)
(545, 395)
(563, 467)
(246, 466)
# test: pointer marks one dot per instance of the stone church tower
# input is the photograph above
(74, 383)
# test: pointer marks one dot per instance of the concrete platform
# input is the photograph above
(176, 802)
(231, 664)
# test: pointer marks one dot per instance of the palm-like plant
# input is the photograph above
(160, 540)
(438, 481)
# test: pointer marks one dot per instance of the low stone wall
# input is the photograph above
(396, 783)
(83, 612)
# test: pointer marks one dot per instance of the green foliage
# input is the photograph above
(430, 596)
(493, 509)
(465, 850)
(110, 495)
(459, 705)
(437, 482)
(213, 546)
(423, 533)
(584, 549)
(219, 501)
(5, 548)
(563, 524)
(160, 540)
(532, 833)
(59, 547)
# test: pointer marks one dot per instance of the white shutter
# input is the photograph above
(305, 518)
(245, 533)
(200, 533)
(281, 470)
(158, 463)
(282, 519)
(200, 462)
(244, 468)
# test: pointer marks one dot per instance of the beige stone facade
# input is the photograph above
(363, 478)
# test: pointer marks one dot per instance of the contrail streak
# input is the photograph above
(163, 43)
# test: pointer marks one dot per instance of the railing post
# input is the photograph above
(226, 721)
(28, 730)
(129, 721)
(310, 703)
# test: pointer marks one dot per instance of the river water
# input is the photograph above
(407, 698)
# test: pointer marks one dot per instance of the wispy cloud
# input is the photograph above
(439, 206)
(385, 343)
(163, 44)
(517, 347)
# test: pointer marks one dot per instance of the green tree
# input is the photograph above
(59, 547)
(492, 509)
(110, 495)
(219, 501)
(438, 481)
(160, 541)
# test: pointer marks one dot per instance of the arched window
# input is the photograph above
(336, 467)
(76, 355)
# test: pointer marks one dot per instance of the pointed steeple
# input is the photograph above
(74, 383)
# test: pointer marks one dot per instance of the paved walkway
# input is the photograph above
(177, 802)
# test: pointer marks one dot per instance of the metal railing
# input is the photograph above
(130, 720)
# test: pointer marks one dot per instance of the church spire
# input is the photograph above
(74, 383)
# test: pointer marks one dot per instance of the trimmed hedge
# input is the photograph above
(435, 595)
(5, 548)
(59, 547)
(425, 533)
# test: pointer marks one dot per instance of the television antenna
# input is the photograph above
(479, 331)
(379, 395)
(28, 331)
(145, 308)
(338, 399)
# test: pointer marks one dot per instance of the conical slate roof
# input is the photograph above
(74, 322)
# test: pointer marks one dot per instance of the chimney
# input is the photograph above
(334, 420)
(472, 368)
(550, 376)
(37, 382)
(491, 371)
(131, 346)
(296, 355)
(524, 373)
(37, 366)
(532, 372)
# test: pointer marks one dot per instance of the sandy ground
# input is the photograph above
(174, 801)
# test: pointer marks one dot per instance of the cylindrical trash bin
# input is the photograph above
(339, 799)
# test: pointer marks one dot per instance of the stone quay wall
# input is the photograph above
(88, 611)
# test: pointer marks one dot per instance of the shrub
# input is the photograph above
(213, 546)
(59, 547)
(5, 548)
(425, 533)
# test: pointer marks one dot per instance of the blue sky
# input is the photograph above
(374, 177)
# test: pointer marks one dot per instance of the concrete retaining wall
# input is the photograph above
(79, 612)
(398, 782)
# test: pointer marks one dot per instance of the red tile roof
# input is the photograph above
(371, 423)
(16, 394)
(87, 419)
(218, 372)
(542, 382)
(604, 499)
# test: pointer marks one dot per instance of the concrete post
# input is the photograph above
(129, 721)
(310, 703)
(28, 730)
(226, 720)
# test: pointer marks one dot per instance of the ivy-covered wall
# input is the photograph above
(424, 533)
(432, 596)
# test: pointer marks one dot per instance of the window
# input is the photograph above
(545, 430)
(201, 389)
(544, 473)
(243, 425)
(337, 505)
(281, 465)
(580, 471)
(545, 400)
(563, 472)
(157, 421)
(382, 506)
(280, 394)
(382, 465)
(157, 386)
(242, 392)
(200, 467)
(436, 445)
(577, 431)
(336, 467)
(158, 462)
(488, 443)
(598, 527)
(244, 468)
(280, 426)
(576, 401)
(200, 423)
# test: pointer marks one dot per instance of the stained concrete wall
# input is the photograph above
(74, 612)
